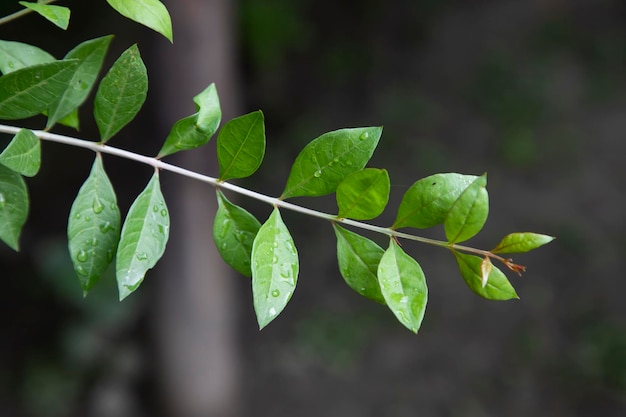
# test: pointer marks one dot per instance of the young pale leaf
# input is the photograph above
(498, 286)
(58, 15)
(329, 159)
(234, 231)
(29, 91)
(403, 285)
(13, 206)
(143, 239)
(195, 130)
(90, 55)
(274, 269)
(364, 194)
(150, 13)
(428, 202)
(23, 154)
(469, 212)
(121, 93)
(93, 229)
(241, 146)
(522, 242)
(358, 259)
(17, 55)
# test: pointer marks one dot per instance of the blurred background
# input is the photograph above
(532, 92)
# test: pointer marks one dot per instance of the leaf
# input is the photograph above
(403, 285)
(150, 13)
(364, 194)
(143, 239)
(329, 159)
(358, 259)
(29, 91)
(498, 286)
(241, 146)
(58, 15)
(521, 242)
(90, 55)
(234, 230)
(274, 269)
(13, 206)
(195, 130)
(429, 200)
(121, 93)
(17, 55)
(23, 154)
(469, 212)
(93, 229)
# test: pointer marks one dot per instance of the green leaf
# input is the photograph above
(90, 55)
(150, 13)
(522, 242)
(29, 91)
(121, 93)
(428, 202)
(17, 55)
(144, 236)
(364, 194)
(403, 285)
(234, 230)
(93, 229)
(195, 130)
(329, 159)
(358, 259)
(23, 154)
(58, 15)
(13, 206)
(469, 212)
(498, 286)
(274, 269)
(241, 146)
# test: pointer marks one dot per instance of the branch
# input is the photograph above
(13, 16)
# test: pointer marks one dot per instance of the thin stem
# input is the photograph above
(21, 13)
(276, 202)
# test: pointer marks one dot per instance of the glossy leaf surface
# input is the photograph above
(364, 194)
(522, 242)
(93, 229)
(195, 130)
(23, 154)
(274, 269)
(358, 259)
(429, 200)
(58, 15)
(498, 286)
(150, 13)
(90, 55)
(143, 239)
(17, 55)
(469, 212)
(29, 91)
(403, 285)
(121, 93)
(241, 146)
(234, 230)
(329, 159)
(13, 206)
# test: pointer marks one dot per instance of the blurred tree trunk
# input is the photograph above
(196, 317)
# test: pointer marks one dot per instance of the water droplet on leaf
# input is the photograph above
(97, 206)
(105, 227)
(275, 293)
(141, 256)
(317, 173)
(164, 213)
(82, 256)
(3, 201)
(155, 208)
(81, 271)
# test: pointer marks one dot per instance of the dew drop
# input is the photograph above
(317, 173)
(109, 255)
(81, 271)
(224, 245)
(3, 201)
(105, 227)
(349, 162)
(272, 311)
(275, 244)
(113, 206)
(364, 135)
(97, 206)
(275, 293)
(87, 218)
(11, 64)
(82, 256)
(94, 242)
(161, 229)
(77, 216)
(164, 213)
(275, 259)
(141, 256)
(155, 208)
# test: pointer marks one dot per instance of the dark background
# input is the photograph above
(532, 92)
